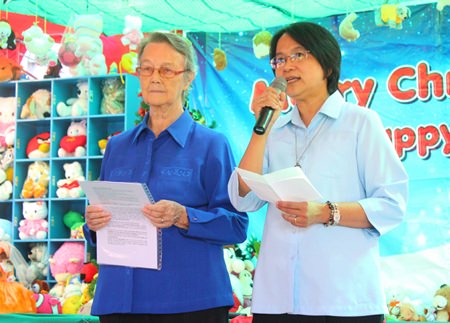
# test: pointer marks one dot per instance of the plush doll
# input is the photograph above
(39, 286)
(5, 186)
(220, 59)
(7, 163)
(39, 146)
(38, 265)
(75, 106)
(70, 186)
(113, 99)
(441, 303)
(74, 144)
(87, 31)
(408, 313)
(74, 221)
(34, 225)
(246, 280)
(14, 297)
(132, 34)
(37, 105)
(441, 4)
(47, 304)
(36, 183)
(5, 230)
(103, 142)
(392, 15)
(7, 36)
(346, 29)
(89, 270)
(66, 53)
(40, 45)
(261, 43)
(7, 121)
(10, 70)
(67, 260)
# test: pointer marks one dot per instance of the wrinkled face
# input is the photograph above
(304, 76)
(158, 91)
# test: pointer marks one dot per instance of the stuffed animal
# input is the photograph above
(220, 59)
(7, 36)
(70, 186)
(132, 34)
(441, 4)
(89, 270)
(34, 226)
(39, 286)
(113, 99)
(36, 183)
(47, 304)
(7, 163)
(261, 44)
(75, 106)
(408, 313)
(7, 121)
(392, 15)
(441, 303)
(15, 298)
(66, 53)
(67, 260)
(39, 146)
(40, 45)
(5, 230)
(37, 105)
(103, 142)
(74, 221)
(346, 29)
(74, 144)
(10, 70)
(87, 31)
(38, 266)
(5, 186)
(246, 280)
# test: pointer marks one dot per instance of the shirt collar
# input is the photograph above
(332, 107)
(179, 130)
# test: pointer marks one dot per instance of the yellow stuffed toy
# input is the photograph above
(346, 29)
(36, 183)
(392, 15)
(220, 59)
(441, 302)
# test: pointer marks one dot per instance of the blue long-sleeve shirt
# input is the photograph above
(190, 164)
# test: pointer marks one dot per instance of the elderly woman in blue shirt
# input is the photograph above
(319, 260)
(186, 167)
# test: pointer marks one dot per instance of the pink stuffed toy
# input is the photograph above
(132, 34)
(35, 225)
(67, 260)
(7, 121)
(47, 304)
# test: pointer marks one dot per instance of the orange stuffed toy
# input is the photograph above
(9, 70)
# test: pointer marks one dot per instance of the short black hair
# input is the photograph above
(321, 44)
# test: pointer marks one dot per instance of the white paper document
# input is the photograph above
(289, 184)
(129, 239)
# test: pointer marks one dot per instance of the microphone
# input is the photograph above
(266, 113)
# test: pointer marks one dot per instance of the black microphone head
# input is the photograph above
(279, 83)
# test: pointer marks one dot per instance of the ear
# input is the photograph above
(188, 80)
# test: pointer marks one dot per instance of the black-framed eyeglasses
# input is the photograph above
(164, 71)
(280, 61)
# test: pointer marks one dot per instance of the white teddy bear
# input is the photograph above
(74, 144)
(75, 106)
(34, 225)
(70, 186)
(5, 186)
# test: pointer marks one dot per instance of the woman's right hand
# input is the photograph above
(270, 97)
(96, 217)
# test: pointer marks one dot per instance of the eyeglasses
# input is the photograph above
(280, 61)
(164, 71)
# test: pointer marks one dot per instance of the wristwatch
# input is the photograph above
(335, 214)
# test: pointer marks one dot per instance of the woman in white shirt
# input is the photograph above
(319, 260)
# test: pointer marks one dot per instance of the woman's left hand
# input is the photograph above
(301, 214)
(164, 213)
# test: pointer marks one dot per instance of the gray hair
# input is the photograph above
(181, 44)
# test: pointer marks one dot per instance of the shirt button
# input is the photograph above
(195, 218)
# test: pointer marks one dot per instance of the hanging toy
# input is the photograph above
(346, 29)
(7, 36)
(261, 44)
(220, 59)
(132, 34)
(40, 45)
(392, 15)
(441, 4)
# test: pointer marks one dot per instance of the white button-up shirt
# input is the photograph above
(332, 270)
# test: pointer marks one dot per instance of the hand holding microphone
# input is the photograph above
(266, 113)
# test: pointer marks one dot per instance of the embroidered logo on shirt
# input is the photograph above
(179, 172)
